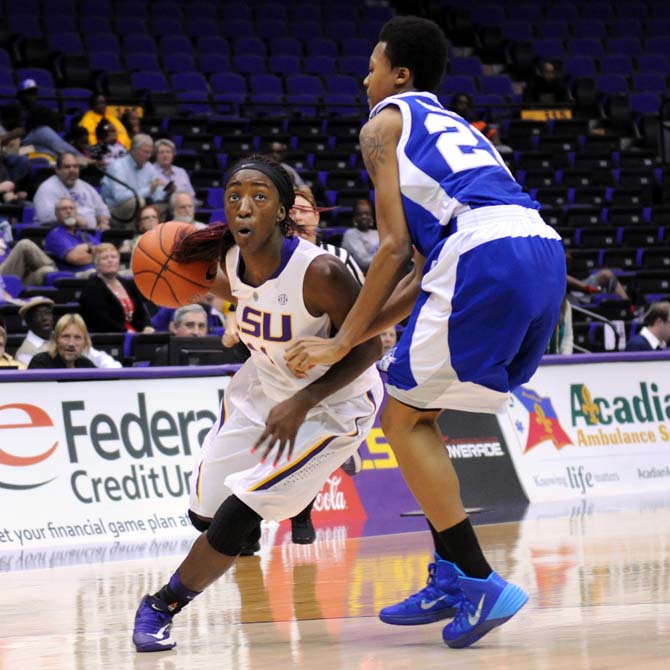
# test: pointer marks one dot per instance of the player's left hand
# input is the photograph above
(281, 427)
(307, 352)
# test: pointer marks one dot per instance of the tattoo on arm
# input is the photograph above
(372, 149)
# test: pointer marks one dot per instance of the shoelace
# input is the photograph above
(429, 590)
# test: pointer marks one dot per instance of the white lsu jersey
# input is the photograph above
(271, 316)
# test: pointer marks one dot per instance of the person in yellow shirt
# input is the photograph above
(98, 111)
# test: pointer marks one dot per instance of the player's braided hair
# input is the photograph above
(212, 243)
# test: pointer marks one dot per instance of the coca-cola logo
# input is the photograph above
(330, 498)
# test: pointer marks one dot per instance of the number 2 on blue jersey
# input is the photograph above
(460, 147)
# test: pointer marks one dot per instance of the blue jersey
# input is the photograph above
(446, 167)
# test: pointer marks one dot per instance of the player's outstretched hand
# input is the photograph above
(307, 352)
(281, 427)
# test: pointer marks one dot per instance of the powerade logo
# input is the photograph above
(22, 417)
(113, 456)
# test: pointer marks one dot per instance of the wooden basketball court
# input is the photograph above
(598, 575)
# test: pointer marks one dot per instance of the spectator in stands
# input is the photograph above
(600, 281)
(147, 219)
(17, 165)
(78, 138)
(67, 346)
(5, 295)
(656, 329)
(6, 361)
(463, 105)
(182, 208)
(389, 339)
(278, 152)
(28, 262)
(363, 240)
(99, 112)
(92, 212)
(187, 321)
(38, 315)
(111, 303)
(307, 215)
(134, 182)
(546, 87)
(108, 148)
(131, 122)
(70, 243)
(562, 339)
(176, 178)
(39, 125)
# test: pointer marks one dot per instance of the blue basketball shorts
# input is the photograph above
(490, 300)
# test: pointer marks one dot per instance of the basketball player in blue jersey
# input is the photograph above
(306, 427)
(482, 308)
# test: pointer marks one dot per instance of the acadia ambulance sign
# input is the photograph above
(100, 460)
(591, 429)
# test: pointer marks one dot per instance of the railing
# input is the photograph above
(595, 317)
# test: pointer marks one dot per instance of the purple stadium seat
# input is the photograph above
(652, 63)
(105, 61)
(322, 46)
(302, 104)
(249, 64)
(26, 25)
(658, 27)
(659, 45)
(167, 10)
(652, 82)
(198, 26)
(518, 31)
(67, 43)
(237, 28)
(549, 48)
(307, 29)
(616, 64)
(212, 63)
(586, 46)
(323, 66)
(228, 82)
(596, 10)
(466, 65)
(341, 28)
(562, 12)
(194, 102)
(284, 64)
(166, 26)
(645, 103)
(612, 84)
(274, 11)
(342, 83)
(266, 84)
(234, 12)
(179, 62)
(556, 29)
(498, 84)
(303, 84)
(487, 15)
(189, 81)
(138, 43)
(129, 25)
(139, 60)
(357, 46)
(267, 28)
(625, 28)
(629, 46)
(150, 81)
(286, 46)
(205, 10)
(213, 45)
(59, 23)
(175, 44)
(356, 66)
(249, 46)
(462, 84)
(579, 66)
(102, 42)
(589, 28)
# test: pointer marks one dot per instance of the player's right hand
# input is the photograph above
(230, 338)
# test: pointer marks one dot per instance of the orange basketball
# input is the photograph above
(160, 278)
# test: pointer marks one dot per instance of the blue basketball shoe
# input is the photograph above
(437, 600)
(153, 623)
(485, 604)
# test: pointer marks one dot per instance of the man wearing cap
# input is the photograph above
(38, 315)
(69, 242)
(66, 184)
(38, 123)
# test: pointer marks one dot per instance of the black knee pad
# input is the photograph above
(232, 524)
(198, 522)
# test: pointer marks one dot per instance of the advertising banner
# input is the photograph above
(591, 430)
(100, 460)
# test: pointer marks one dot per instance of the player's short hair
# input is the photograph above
(418, 44)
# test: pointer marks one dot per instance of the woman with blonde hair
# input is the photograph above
(111, 303)
(69, 340)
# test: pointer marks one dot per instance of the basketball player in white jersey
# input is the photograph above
(481, 310)
(304, 428)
